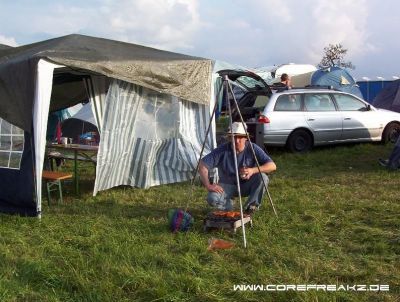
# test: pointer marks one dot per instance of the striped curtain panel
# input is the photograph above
(149, 138)
(96, 88)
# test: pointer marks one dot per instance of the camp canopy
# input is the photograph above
(151, 108)
(167, 72)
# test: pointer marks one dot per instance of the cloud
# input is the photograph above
(342, 22)
(251, 33)
(8, 41)
(167, 24)
(274, 10)
(276, 32)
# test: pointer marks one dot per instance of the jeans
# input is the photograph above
(253, 188)
(394, 159)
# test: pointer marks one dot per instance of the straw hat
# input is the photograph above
(237, 130)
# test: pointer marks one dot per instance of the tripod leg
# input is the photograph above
(252, 149)
(227, 86)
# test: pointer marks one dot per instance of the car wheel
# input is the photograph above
(299, 141)
(391, 133)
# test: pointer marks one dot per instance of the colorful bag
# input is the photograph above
(179, 220)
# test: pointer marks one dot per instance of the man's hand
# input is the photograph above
(215, 188)
(246, 173)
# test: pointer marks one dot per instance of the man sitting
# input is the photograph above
(251, 181)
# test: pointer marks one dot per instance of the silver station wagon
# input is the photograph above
(302, 118)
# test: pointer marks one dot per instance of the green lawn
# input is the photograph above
(339, 223)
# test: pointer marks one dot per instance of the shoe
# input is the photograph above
(251, 209)
(383, 162)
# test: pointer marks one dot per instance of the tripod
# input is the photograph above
(229, 91)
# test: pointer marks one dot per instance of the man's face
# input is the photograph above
(240, 143)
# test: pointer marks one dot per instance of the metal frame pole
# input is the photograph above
(252, 149)
(227, 86)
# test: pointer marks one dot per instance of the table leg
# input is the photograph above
(76, 178)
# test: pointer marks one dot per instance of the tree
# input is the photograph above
(333, 56)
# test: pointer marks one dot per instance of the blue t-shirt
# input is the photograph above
(223, 159)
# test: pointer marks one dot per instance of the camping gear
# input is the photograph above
(226, 85)
(53, 123)
(81, 125)
(58, 132)
(76, 153)
(335, 77)
(53, 182)
(272, 74)
(184, 76)
(149, 138)
(219, 244)
(58, 73)
(389, 97)
(179, 220)
(228, 220)
(64, 140)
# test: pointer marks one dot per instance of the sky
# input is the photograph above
(251, 33)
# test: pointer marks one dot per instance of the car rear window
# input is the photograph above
(250, 82)
(288, 102)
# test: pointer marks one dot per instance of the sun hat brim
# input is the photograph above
(236, 134)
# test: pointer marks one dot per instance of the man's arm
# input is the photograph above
(203, 172)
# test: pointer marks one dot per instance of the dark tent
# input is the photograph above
(389, 97)
(80, 123)
(3, 46)
(370, 88)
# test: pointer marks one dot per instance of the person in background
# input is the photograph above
(284, 84)
(251, 181)
(393, 162)
(285, 80)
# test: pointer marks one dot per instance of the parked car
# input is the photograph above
(305, 117)
(247, 88)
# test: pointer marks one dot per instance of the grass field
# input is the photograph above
(339, 223)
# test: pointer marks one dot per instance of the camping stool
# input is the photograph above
(53, 179)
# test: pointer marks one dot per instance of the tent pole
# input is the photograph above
(227, 86)
(38, 206)
(252, 148)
